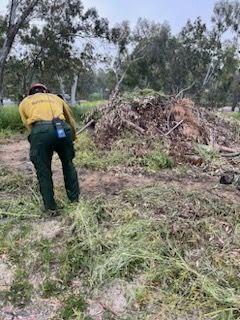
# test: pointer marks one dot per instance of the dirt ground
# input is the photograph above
(15, 155)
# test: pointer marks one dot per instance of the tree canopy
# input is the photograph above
(64, 45)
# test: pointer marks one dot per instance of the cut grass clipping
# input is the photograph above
(89, 155)
(175, 251)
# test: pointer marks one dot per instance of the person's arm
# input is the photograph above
(69, 118)
(23, 115)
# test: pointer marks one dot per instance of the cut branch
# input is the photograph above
(174, 128)
(132, 125)
(85, 127)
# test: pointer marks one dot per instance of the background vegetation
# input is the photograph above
(202, 59)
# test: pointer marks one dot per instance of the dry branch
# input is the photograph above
(132, 125)
(179, 94)
(85, 127)
(175, 127)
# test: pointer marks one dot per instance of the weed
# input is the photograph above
(156, 160)
(21, 289)
(235, 115)
(51, 288)
(73, 306)
(206, 153)
(5, 134)
(177, 246)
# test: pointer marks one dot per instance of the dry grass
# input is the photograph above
(175, 249)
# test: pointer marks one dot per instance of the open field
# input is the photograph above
(148, 240)
(151, 85)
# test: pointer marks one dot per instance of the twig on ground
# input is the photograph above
(230, 155)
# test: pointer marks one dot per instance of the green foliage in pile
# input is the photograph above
(141, 93)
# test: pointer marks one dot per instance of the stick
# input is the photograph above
(134, 126)
(175, 127)
(230, 155)
(85, 127)
(226, 149)
(229, 152)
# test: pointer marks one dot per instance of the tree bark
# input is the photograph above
(15, 23)
(74, 90)
(235, 90)
(62, 87)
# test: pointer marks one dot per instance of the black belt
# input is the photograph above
(42, 122)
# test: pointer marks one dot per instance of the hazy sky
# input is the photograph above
(176, 12)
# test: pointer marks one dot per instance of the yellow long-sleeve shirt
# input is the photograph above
(45, 107)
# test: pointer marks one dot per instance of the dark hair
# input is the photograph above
(36, 90)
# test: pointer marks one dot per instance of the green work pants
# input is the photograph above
(44, 141)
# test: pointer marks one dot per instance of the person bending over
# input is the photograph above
(52, 128)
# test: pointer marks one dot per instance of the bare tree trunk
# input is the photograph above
(209, 74)
(14, 24)
(74, 90)
(62, 87)
(235, 90)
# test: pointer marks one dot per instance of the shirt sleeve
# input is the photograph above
(23, 115)
(69, 118)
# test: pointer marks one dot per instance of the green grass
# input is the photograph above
(235, 115)
(81, 111)
(21, 289)
(74, 306)
(123, 152)
(10, 119)
(207, 153)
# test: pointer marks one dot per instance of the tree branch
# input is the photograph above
(184, 90)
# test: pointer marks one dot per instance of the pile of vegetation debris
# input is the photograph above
(178, 123)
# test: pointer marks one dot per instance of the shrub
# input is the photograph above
(80, 111)
(95, 96)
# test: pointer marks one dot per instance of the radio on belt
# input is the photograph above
(58, 124)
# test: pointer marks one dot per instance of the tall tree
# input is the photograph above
(226, 17)
(62, 48)
(18, 12)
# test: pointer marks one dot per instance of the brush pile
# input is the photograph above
(177, 122)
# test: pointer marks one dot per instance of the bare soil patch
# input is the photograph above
(15, 156)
